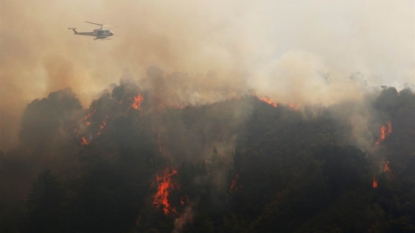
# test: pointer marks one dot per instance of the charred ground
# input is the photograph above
(132, 162)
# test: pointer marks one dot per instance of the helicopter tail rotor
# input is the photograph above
(74, 30)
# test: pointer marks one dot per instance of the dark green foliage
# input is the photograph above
(288, 171)
(349, 213)
(344, 169)
(46, 117)
(107, 200)
(234, 224)
(295, 204)
(46, 205)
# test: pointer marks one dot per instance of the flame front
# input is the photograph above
(275, 104)
(385, 130)
(137, 102)
(374, 183)
(268, 101)
(84, 141)
(90, 114)
(102, 126)
(165, 185)
(387, 169)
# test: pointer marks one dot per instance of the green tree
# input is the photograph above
(45, 205)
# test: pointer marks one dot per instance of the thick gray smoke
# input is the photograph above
(286, 50)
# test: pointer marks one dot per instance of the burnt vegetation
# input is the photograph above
(284, 170)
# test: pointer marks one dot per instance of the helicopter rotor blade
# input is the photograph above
(109, 26)
(99, 24)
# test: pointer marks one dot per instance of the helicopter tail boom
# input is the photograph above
(74, 30)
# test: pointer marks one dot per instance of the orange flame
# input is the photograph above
(165, 185)
(101, 127)
(374, 183)
(294, 106)
(384, 132)
(184, 200)
(268, 101)
(84, 141)
(386, 168)
(89, 114)
(137, 102)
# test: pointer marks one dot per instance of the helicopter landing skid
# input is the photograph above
(102, 39)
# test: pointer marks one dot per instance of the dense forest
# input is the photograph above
(132, 163)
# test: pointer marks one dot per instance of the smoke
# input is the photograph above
(184, 219)
(286, 49)
(360, 117)
(44, 120)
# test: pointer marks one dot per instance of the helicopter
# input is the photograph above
(99, 34)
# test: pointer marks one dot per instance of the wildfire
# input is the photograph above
(268, 101)
(275, 104)
(374, 183)
(138, 220)
(233, 186)
(385, 130)
(101, 127)
(89, 114)
(165, 185)
(84, 141)
(184, 200)
(137, 102)
(386, 167)
(294, 106)
(237, 97)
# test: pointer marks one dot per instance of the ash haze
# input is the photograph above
(280, 49)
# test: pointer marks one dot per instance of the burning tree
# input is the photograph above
(165, 185)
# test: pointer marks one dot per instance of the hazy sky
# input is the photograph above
(278, 48)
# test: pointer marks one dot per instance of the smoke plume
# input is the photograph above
(291, 51)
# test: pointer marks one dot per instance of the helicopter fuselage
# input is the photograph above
(97, 33)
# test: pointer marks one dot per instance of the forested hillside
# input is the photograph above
(133, 163)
